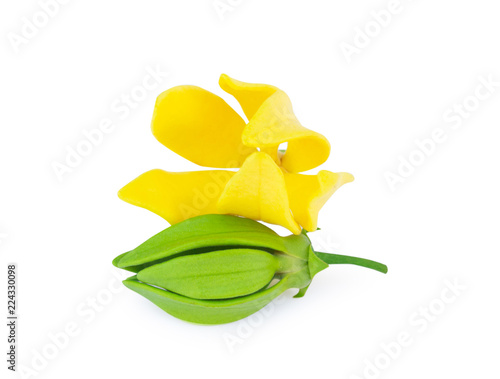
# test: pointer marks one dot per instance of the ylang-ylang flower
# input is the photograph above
(203, 128)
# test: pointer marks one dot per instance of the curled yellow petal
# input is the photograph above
(249, 95)
(200, 126)
(272, 122)
(258, 191)
(176, 196)
(308, 194)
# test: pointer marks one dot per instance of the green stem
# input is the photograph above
(333, 259)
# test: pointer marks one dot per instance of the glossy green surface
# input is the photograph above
(216, 275)
(215, 269)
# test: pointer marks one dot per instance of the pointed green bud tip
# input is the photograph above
(316, 264)
(301, 292)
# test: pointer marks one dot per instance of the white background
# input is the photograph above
(441, 224)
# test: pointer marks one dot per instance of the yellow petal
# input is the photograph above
(176, 196)
(258, 191)
(308, 194)
(249, 95)
(272, 122)
(200, 126)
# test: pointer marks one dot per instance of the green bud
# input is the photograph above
(215, 269)
(216, 275)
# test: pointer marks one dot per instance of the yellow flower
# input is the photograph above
(204, 129)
